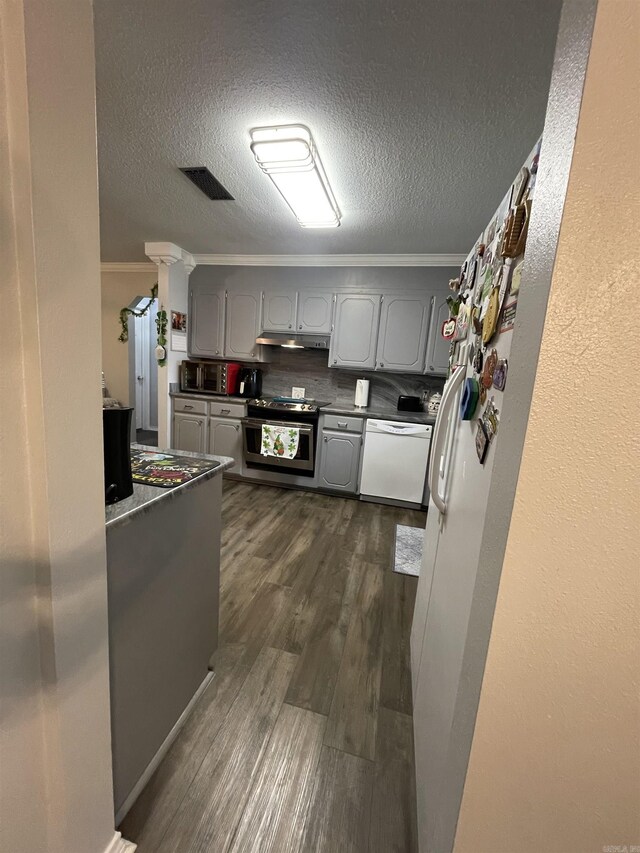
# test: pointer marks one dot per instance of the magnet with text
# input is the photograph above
(500, 374)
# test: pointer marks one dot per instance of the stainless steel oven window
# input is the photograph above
(252, 444)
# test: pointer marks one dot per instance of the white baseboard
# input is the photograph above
(120, 845)
(157, 758)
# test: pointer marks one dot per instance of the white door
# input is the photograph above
(146, 370)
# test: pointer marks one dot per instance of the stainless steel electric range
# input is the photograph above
(281, 412)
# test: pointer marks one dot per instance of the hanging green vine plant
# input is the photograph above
(125, 312)
(161, 348)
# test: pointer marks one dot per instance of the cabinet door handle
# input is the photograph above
(300, 326)
(381, 364)
(224, 411)
(188, 407)
(342, 424)
(325, 439)
(237, 427)
(335, 360)
(290, 326)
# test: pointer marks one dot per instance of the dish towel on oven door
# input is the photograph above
(280, 441)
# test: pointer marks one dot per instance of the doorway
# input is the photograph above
(144, 371)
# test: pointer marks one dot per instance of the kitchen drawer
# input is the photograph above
(192, 407)
(343, 422)
(225, 409)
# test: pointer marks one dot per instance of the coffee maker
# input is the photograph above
(250, 382)
(116, 438)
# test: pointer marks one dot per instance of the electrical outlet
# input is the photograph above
(297, 393)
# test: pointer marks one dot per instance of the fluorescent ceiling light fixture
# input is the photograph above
(289, 156)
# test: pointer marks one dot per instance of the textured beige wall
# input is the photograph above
(119, 289)
(556, 754)
(55, 763)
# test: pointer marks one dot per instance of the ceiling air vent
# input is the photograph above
(205, 181)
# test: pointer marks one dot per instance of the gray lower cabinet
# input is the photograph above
(242, 326)
(206, 323)
(189, 432)
(437, 362)
(225, 439)
(402, 337)
(340, 461)
(355, 332)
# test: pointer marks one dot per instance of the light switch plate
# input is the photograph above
(297, 393)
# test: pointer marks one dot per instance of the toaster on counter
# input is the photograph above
(409, 404)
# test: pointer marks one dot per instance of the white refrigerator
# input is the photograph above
(459, 484)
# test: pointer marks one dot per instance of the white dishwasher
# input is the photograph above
(394, 460)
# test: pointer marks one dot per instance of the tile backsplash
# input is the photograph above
(309, 370)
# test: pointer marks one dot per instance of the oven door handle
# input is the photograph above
(260, 422)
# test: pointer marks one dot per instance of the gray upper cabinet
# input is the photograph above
(402, 338)
(242, 326)
(314, 312)
(279, 311)
(206, 322)
(437, 362)
(355, 332)
(339, 461)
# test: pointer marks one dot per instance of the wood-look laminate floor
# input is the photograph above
(303, 740)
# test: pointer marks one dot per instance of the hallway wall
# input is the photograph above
(119, 289)
(554, 761)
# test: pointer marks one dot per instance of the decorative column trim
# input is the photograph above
(163, 253)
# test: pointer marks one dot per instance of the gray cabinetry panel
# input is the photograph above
(225, 439)
(402, 339)
(279, 311)
(189, 432)
(314, 312)
(206, 322)
(355, 334)
(339, 461)
(437, 347)
(242, 326)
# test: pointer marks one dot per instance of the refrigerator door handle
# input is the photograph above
(439, 434)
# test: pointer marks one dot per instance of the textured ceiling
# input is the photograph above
(422, 112)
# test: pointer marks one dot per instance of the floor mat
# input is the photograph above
(408, 550)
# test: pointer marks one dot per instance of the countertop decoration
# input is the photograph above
(125, 312)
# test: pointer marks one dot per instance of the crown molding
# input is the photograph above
(144, 266)
(332, 260)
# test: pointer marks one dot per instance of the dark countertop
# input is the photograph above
(144, 497)
(209, 398)
(389, 413)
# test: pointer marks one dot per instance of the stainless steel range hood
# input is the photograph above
(291, 340)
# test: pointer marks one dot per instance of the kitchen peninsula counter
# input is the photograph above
(144, 497)
(163, 577)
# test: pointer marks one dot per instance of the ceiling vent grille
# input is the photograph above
(206, 182)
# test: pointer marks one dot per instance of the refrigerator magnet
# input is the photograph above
(482, 442)
(469, 399)
(500, 374)
(478, 360)
(490, 364)
(449, 328)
